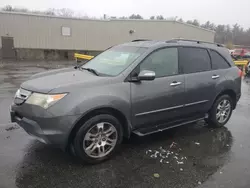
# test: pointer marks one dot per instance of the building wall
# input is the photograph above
(44, 32)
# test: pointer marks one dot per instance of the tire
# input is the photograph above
(93, 135)
(214, 117)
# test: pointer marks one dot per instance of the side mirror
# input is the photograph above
(146, 75)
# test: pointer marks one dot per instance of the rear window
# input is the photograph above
(218, 62)
(194, 60)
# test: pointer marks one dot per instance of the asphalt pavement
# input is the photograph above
(184, 157)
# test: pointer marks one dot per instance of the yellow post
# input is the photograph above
(82, 56)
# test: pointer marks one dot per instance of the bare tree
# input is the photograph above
(7, 8)
(180, 20)
(159, 17)
(135, 16)
(193, 22)
(209, 25)
(65, 12)
(152, 17)
(51, 12)
(196, 22)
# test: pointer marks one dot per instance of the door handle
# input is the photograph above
(215, 76)
(175, 83)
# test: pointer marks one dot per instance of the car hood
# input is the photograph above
(46, 81)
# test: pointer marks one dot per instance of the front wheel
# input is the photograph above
(98, 138)
(221, 111)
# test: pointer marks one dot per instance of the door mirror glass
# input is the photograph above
(146, 75)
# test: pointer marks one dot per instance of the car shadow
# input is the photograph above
(197, 152)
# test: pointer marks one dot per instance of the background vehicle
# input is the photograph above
(241, 53)
(248, 69)
(231, 52)
(141, 87)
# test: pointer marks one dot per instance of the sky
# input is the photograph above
(216, 11)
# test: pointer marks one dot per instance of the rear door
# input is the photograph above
(195, 64)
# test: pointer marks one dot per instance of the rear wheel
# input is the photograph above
(98, 138)
(221, 111)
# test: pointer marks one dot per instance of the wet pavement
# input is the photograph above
(188, 156)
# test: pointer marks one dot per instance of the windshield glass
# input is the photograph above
(115, 60)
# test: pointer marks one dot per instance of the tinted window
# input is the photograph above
(163, 62)
(218, 62)
(194, 60)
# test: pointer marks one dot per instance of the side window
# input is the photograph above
(218, 62)
(163, 62)
(194, 60)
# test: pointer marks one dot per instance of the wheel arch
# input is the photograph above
(126, 125)
(229, 92)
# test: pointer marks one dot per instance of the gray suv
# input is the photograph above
(140, 87)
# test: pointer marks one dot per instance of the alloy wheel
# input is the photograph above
(100, 140)
(223, 111)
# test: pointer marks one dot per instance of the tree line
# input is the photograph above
(224, 34)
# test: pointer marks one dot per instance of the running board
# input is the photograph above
(163, 127)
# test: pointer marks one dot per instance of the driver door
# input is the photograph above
(160, 100)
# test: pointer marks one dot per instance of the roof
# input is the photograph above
(182, 42)
(102, 20)
(144, 43)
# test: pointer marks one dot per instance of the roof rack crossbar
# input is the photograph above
(197, 41)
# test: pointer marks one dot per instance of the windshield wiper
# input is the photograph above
(91, 70)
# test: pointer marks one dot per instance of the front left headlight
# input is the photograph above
(44, 100)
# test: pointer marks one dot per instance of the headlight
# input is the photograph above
(44, 100)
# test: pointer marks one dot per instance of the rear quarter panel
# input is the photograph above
(229, 80)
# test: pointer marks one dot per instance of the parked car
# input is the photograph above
(139, 87)
(241, 53)
(247, 69)
(231, 52)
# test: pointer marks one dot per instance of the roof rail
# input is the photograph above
(138, 40)
(196, 41)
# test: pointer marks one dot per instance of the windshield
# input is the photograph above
(115, 60)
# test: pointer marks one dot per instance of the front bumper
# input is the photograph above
(45, 128)
(30, 126)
